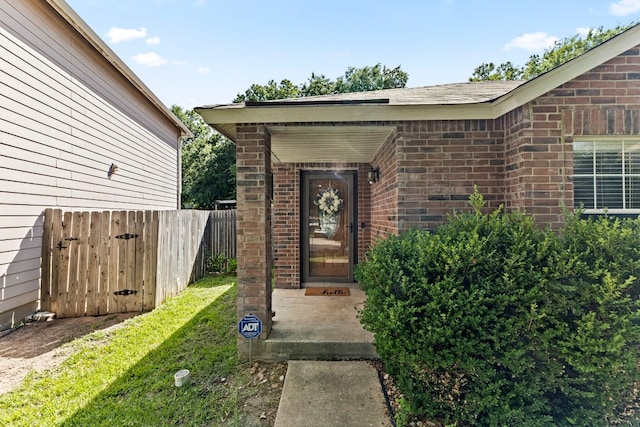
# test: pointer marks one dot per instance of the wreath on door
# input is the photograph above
(330, 204)
(329, 201)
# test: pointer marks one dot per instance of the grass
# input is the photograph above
(124, 377)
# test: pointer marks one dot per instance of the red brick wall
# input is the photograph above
(384, 193)
(439, 162)
(539, 136)
(253, 149)
(286, 225)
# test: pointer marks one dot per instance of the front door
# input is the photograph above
(328, 226)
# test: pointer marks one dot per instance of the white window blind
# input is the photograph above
(607, 176)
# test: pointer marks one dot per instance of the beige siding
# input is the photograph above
(65, 116)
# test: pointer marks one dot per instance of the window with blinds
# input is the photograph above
(607, 176)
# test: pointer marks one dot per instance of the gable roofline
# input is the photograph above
(568, 71)
(225, 117)
(82, 28)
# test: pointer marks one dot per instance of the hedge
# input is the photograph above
(493, 321)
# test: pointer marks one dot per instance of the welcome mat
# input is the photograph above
(328, 291)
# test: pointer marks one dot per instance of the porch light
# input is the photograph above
(373, 175)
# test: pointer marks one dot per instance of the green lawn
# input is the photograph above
(125, 377)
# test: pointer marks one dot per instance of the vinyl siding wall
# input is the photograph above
(65, 116)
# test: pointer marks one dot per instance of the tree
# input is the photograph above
(561, 52)
(272, 90)
(317, 84)
(371, 78)
(208, 163)
(353, 80)
(488, 71)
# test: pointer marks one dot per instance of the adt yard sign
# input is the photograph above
(250, 326)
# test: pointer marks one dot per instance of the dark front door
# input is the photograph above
(328, 226)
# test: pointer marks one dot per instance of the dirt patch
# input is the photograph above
(38, 346)
(259, 396)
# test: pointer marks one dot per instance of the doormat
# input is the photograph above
(328, 291)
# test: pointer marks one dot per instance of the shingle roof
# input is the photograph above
(446, 94)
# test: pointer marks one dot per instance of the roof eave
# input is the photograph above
(81, 27)
(222, 118)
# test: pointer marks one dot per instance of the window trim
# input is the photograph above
(594, 140)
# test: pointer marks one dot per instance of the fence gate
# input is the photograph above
(99, 263)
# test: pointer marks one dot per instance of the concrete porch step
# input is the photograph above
(316, 328)
(274, 349)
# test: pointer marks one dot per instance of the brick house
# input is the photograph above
(404, 158)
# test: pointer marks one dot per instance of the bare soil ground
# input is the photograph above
(259, 397)
(38, 346)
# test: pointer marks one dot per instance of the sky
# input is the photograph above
(201, 52)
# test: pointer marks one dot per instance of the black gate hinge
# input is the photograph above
(126, 236)
(125, 292)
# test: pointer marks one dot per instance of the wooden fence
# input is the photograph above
(95, 263)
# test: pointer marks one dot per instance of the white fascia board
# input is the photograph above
(344, 113)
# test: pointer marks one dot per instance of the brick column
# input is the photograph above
(253, 162)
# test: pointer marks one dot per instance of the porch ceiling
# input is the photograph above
(350, 144)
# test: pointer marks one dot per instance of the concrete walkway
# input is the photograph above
(327, 383)
(332, 394)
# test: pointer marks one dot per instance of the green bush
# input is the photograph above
(492, 321)
(221, 264)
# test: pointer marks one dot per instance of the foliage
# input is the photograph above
(124, 376)
(216, 264)
(272, 90)
(492, 321)
(353, 80)
(317, 84)
(208, 163)
(561, 52)
(370, 78)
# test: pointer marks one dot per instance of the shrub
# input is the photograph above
(221, 264)
(492, 321)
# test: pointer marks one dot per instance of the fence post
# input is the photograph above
(45, 269)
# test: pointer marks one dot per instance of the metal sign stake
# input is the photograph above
(250, 327)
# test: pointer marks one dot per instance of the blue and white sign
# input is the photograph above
(250, 326)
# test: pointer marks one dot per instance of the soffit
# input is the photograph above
(351, 144)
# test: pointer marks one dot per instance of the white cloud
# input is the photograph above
(151, 59)
(117, 35)
(624, 7)
(179, 62)
(583, 31)
(532, 42)
(153, 40)
(203, 70)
